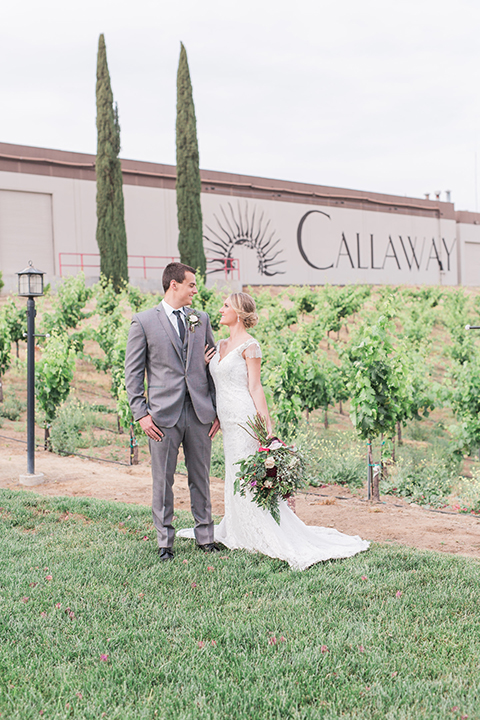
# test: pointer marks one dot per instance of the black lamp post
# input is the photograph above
(30, 285)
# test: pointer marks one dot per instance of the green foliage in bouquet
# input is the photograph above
(275, 471)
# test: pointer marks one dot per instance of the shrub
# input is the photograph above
(427, 481)
(12, 408)
(332, 460)
(66, 428)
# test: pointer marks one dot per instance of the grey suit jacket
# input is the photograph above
(155, 348)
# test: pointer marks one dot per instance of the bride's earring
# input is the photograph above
(238, 318)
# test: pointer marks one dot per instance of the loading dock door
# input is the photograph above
(26, 232)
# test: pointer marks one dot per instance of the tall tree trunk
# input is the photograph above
(340, 407)
(1, 390)
(133, 447)
(325, 419)
(111, 233)
(399, 433)
(369, 469)
(393, 448)
(47, 445)
(188, 185)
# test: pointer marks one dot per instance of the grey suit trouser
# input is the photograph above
(193, 435)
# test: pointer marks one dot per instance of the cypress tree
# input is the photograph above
(111, 233)
(188, 185)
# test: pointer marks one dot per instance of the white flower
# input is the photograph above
(192, 321)
(275, 445)
(268, 483)
(269, 463)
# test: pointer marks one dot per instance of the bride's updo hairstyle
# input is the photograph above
(244, 306)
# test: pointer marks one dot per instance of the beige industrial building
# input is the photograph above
(256, 230)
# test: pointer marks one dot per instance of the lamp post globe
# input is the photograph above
(30, 285)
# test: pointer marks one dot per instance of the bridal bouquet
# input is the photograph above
(275, 471)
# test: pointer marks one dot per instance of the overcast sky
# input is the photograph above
(373, 95)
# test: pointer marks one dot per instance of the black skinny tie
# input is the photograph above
(181, 324)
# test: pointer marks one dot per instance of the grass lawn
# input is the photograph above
(93, 625)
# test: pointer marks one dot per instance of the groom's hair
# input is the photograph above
(175, 271)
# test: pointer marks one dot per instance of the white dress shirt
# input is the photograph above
(169, 310)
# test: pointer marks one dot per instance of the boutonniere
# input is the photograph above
(193, 320)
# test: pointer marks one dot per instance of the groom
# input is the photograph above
(169, 344)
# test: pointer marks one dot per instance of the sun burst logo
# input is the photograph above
(245, 228)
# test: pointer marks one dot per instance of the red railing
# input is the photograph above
(229, 266)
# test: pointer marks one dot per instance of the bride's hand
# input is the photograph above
(209, 353)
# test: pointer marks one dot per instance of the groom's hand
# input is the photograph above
(215, 428)
(149, 427)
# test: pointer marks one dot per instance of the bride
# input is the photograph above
(235, 368)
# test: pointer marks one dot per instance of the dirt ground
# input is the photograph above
(392, 520)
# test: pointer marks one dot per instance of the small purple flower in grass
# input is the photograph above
(25, 599)
(323, 649)
(272, 640)
(398, 594)
(104, 658)
(253, 483)
(43, 614)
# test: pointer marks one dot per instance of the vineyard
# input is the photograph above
(375, 383)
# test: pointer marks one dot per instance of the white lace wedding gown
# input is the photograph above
(245, 525)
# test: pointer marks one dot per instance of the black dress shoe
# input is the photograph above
(166, 553)
(210, 548)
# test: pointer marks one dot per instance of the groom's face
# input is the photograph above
(185, 291)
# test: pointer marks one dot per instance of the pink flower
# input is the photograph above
(49, 577)
(394, 674)
(323, 649)
(201, 644)
(79, 695)
(223, 557)
(361, 648)
(272, 640)
(210, 568)
(43, 614)
(364, 577)
(104, 658)
(282, 639)
(194, 585)
(45, 569)
(185, 562)
(253, 483)
(32, 584)
(262, 449)
(41, 712)
(25, 599)
(214, 644)
(71, 614)
(398, 594)
(145, 537)
(58, 605)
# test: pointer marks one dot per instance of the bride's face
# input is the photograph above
(228, 314)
